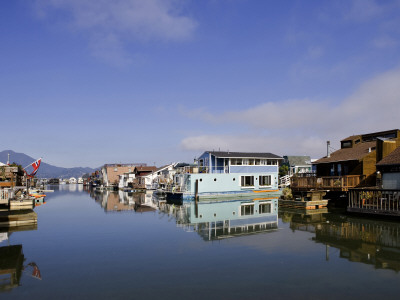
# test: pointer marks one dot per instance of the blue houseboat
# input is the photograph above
(227, 218)
(219, 174)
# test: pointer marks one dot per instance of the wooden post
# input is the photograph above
(196, 190)
(27, 186)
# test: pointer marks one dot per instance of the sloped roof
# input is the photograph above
(146, 169)
(350, 138)
(345, 154)
(225, 154)
(392, 159)
(298, 160)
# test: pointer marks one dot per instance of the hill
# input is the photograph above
(45, 170)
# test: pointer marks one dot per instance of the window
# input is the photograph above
(265, 179)
(251, 162)
(236, 161)
(246, 161)
(247, 180)
(347, 144)
(265, 208)
(257, 162)
(247, 209)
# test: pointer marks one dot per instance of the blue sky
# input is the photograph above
(88, 82)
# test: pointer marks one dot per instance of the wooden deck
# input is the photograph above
(331, 183)
(316, 204)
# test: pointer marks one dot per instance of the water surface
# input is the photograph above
(122, 246)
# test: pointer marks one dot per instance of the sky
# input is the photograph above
(89, 82)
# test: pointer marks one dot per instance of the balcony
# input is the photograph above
(332, 183)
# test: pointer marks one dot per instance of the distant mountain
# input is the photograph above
(45, 170)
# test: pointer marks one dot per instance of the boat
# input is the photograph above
(219, 174)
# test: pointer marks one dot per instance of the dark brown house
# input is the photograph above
(389, 168)
(354, 164)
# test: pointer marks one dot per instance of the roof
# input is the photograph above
(181, 164)
(298, 160)
(224, 154)
(373, 135)
(350, 138)
(124, 165)
(345, 154)
(392, 159)
(146, 169)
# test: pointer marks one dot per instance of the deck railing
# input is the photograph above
(374, 201)
(5, 195)
(342, 183)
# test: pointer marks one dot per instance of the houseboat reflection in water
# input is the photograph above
(219, 219)
(373, 242)
(12, 260)
(124, 201)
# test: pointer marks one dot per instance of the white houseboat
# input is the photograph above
(219, 174)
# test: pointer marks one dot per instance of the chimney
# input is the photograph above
(327, 148)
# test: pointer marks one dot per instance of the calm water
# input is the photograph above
(106, 246)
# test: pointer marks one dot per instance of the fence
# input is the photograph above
(374, 201)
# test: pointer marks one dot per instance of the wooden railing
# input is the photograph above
(338, 183)
(374, 201)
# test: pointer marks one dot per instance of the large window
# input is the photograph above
(247, 209)
(236, 161)
(253, 161)
(264, 208)
(247, 181)
(264, 180)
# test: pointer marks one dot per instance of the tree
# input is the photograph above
(283, 170)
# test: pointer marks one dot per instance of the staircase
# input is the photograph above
(284, 181)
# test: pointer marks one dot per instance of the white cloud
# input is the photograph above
(384, 42)
(280, 145)
(110, 24)
(363, 10)
(303, 126)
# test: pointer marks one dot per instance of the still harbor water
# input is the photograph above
(115, 245)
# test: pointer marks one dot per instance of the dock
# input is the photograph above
(312, 200)
(299, 204)
(13, 218)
